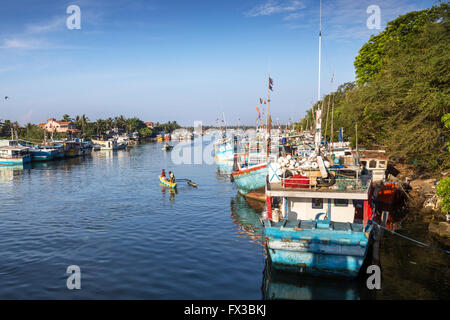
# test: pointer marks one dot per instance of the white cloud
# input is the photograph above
(342, 19)
(18, 44)
(293, 16)
(30, 44)
(45, 27)
(271, 7)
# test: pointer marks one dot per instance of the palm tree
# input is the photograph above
(81, 123)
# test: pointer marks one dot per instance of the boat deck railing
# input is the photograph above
(253, 158)
(342, 184)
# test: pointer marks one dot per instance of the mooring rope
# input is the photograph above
(411, 239)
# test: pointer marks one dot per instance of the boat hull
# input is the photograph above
(167, 183)
(251, 178)
(224, 151)
(320, 252)
(120, 147)
(60, 154)
(15, 161)
(42, 155)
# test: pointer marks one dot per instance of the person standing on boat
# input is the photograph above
(163, 173)
(172, 177)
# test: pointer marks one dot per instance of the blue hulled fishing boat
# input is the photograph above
(38, 154)
(250, 178)
(58, 150)
(13, 154)
(224, 149)
(318, 218)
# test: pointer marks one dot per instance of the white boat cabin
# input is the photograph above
(376, 162)
(333, 207)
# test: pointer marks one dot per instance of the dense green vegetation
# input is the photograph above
(88, 129)
(402, 92)
(443, 187)
(372, 55)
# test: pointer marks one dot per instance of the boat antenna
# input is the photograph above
(225, 122)
(320, 50)
(269, 120)
(328, 107)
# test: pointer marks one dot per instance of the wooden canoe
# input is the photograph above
(167, 183)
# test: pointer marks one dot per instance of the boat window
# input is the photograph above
(373, 164)
(382, 164)
(317, 203)
(341, 202)
(358, 203)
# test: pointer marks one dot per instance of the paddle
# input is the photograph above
(189, 182)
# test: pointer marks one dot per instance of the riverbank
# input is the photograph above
(422, 198)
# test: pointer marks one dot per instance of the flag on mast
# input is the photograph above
(270, 84)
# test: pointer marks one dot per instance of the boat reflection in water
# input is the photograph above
(10, 173)
(172, 191)
(278, 284)
(224, 169)
(247, 219)
(64, 164)
(285, 285)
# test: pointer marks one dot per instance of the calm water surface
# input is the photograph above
(134, 239)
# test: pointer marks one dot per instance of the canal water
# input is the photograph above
(134, 239)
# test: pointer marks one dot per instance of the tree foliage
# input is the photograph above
(443, 190)
(87, 129)
(402, 106)
(404, 29)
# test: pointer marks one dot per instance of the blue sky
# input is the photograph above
(178, 60)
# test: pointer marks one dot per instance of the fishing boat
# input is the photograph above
(112, 145)
(251, 167)
(224, 149)
(167, 147)
(12, 154)
(59, 150)
(318, 219)
(71, 149)
(86, 147)
(167, 182)
(319, 224)
(45, 154)
(250, 178)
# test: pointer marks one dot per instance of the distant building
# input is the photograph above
(115, 131)
(52, 125)
(150, 125)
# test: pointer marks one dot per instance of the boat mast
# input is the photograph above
(224, 122)
(269, 122)
(328, 108)
(318, 118)
(320, 50)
